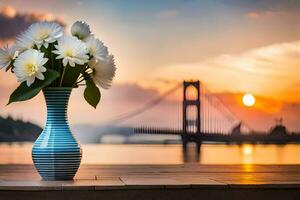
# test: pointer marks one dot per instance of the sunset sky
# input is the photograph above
(233, 46)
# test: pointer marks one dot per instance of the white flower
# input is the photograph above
(7, 55)
(103, 71)
(71, 50)
(24, 42)
(96, 48)
(81, 30)
(43, 33)
(29, 65)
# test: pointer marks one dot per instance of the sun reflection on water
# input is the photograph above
(247, 149)
(247, 153)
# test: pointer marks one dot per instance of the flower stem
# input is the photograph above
(51, 56)
(60, 70)
(52, 65)
(62, 76)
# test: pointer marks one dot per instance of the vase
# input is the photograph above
(56, 153)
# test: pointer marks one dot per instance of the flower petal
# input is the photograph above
(40, 76)
(72, 63)
(65, 61)
(30, 80)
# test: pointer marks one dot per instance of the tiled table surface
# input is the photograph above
(110, 177)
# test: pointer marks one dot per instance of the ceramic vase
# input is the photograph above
(56, 153)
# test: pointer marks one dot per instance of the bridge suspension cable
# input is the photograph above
(218, 104)
(126, 116)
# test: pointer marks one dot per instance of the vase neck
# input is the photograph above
(57, 104)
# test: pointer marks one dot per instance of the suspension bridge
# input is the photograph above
(205, 118)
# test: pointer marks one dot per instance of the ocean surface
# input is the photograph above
(20, 153)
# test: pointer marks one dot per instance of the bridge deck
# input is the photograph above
(156, 181)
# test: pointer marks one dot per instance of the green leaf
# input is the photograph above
(23, 92)
(92, 93)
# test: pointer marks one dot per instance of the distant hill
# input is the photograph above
(12, 130)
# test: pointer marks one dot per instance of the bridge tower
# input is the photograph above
(191, 124)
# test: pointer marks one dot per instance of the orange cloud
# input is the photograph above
(270, 71)
(264, 113)
(262, 104)
(8, 12)
(252, 15)
(266, 14)
(44, 17)
(13, 22)
(263, 14)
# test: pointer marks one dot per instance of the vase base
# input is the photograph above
(55, 164)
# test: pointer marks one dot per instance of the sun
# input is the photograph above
(248, 100)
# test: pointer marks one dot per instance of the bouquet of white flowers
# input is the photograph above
(44, 56)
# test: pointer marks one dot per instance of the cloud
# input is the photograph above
(266, 9)
(270, 14)
(125, 98)
(266, 5)
(12, 22)
(263, 14)
(252, 15)
(167, 14)
(263, 115)
(272, 60)
(131, 92)
(267, 71)
(8, 12)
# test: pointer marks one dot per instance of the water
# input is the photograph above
(167, 154)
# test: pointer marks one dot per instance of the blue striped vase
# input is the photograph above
(56, 153)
